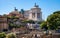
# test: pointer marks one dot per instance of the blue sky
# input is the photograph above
(47, 6)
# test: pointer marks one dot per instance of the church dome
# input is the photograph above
(15, 11)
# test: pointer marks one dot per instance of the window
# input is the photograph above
(33, 15)
(38, 15)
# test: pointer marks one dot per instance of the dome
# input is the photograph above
(14, 12)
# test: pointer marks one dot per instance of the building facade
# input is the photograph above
(3, 23)
(34, 13)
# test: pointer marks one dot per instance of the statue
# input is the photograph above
(36, 5)
(15, 9)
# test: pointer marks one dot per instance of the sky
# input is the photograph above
(47, 6)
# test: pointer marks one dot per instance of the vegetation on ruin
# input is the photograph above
(9, 35)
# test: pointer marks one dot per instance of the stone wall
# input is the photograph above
(40, 36)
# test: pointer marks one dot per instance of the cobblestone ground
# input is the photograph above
(38, 35)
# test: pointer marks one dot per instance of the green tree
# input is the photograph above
(56, 12)
(22, 11)
(54, 20)
(2, 35)
(28, 21)
(39, 22)
(43, 25)
(4, 15)
(11, 35)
